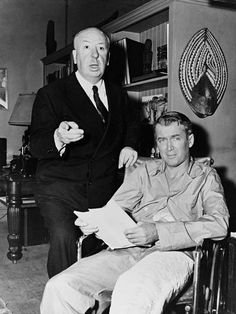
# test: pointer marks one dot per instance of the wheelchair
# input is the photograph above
(205, 291)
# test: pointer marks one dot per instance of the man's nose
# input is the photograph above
(169, 145)
(95, 53)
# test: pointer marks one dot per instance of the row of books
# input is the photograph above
(127, 62)
(62, 70)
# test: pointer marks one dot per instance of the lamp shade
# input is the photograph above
(21, 114)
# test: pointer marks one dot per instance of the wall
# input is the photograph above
(188, 19)
(23, 26)
(219, 129)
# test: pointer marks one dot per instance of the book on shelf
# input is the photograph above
(126, 60)
(134, 58)
(162, 52)
(116, 71)
(61, 71)
(151, 75)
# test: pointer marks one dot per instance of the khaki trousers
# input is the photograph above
(143, 279)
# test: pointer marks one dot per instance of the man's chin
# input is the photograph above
(94, 77)
(171, 158)
(171, 161)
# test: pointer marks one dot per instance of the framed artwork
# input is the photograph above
(3, 89)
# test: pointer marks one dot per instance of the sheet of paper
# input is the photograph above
(111, 220)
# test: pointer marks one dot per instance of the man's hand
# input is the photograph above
(145, 233)
(85, 227)
(128, 157)
(69, 131)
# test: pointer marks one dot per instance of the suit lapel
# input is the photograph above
(86, 115)
(80, 104)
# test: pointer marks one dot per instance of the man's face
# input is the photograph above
(173, 143)
(91, 54)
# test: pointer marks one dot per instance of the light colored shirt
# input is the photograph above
(186, 213)
(87, 87)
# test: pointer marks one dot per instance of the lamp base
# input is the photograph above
(23, 165)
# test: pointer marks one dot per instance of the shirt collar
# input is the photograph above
(195, 169)
(87, 86)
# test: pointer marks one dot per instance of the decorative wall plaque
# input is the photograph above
(203, 73)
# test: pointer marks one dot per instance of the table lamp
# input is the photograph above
(21, 114)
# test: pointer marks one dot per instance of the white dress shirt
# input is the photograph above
(87, 87)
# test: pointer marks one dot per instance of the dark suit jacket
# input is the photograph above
(88, 166)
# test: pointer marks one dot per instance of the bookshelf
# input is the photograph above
(149, 21)
(58, 64)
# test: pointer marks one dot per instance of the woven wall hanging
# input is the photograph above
(203, 73)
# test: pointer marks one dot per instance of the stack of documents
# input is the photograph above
(111, 221)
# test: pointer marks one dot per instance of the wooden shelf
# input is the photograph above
(156, 82)
(140, 19)
(60, 56)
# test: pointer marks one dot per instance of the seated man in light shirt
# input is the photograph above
(177, 202)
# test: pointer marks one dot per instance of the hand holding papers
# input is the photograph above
(111, 221)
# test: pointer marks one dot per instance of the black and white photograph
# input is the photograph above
(117, 157)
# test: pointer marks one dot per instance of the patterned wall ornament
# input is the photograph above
(203, 73)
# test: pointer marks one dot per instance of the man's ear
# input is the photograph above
(190, 140)
(74, 55)
(155, 152)
(108, 58)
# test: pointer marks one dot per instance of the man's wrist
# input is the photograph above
(61, 146)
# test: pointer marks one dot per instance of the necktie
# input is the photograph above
(100, 106)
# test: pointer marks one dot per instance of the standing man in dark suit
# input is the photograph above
(79, 144)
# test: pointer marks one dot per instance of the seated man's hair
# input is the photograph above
(170, 117)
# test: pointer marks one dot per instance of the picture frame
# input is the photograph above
(3, 88)
(152, 107)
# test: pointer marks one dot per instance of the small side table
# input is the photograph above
(19, 194)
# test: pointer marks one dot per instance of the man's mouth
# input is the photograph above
(94, 67)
